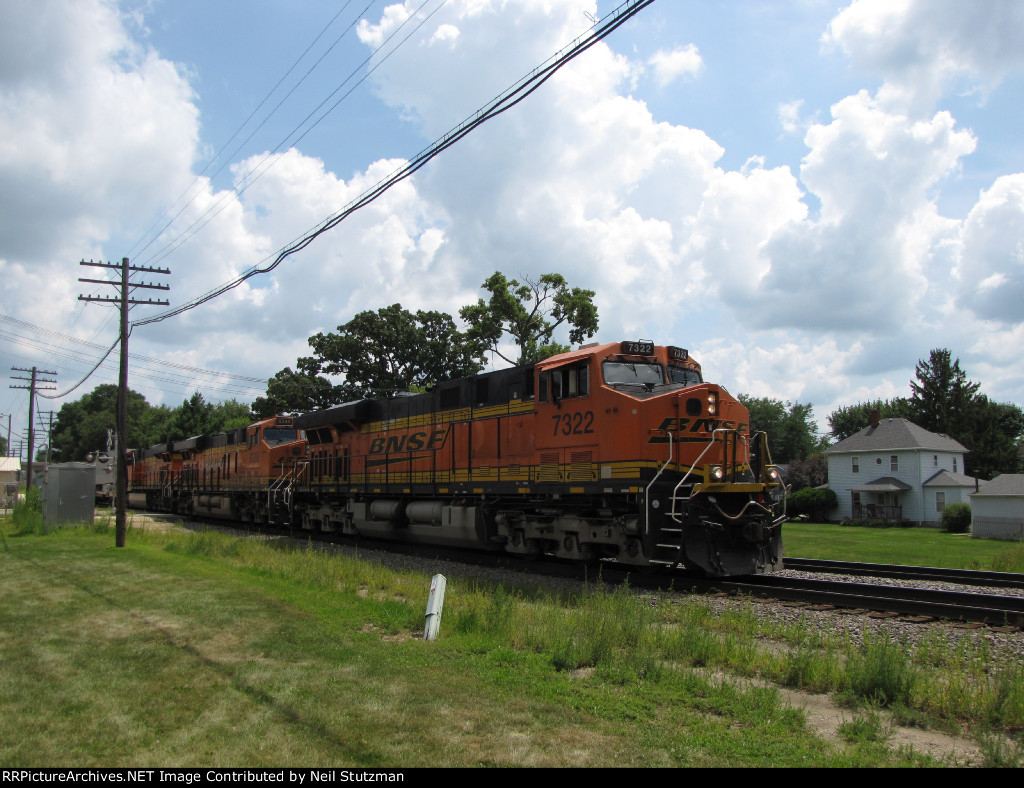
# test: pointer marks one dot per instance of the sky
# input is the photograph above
(809, 196)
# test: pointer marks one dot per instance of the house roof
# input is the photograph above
(1006, 484)
(950, 479)
(896, 434)
(883, 484)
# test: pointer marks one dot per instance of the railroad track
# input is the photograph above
(991, 609)
(961, 576)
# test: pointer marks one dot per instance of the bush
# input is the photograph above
(956, 518)
(873, 523)
(813, 501)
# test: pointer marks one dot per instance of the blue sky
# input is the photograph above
(810, 196)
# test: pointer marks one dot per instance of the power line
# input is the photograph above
(505, 101)
(238, 131)
(92, 345)
(268, 160)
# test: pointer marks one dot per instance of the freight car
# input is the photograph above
(616, 451)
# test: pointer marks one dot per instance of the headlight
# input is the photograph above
(712, 403)
(717, 473)
(772, 473)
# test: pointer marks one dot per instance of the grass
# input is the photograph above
(908, 546)
(204, 649)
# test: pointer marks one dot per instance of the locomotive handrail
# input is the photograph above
(696, 462)
(647, 490)
(284, 483)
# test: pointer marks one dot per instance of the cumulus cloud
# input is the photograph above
(923, 48)
(991, 270)
(582, 178)
(670, 66)
(874, 172)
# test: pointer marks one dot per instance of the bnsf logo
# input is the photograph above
(695, 425)
(411, 442)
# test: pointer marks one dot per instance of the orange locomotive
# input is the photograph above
(617, 451)
(236, 474)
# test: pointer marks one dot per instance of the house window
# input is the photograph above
(940, 501)
(894, 462)
(935, 460)
(954, 465)
(856, 465)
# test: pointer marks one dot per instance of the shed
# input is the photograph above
(9, 469)
(70, 493)
(997, 509)
(9, 475)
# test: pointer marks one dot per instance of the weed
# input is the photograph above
(1006, 703)
(27, 514)
(1000, 752)
(867, 726)
(881, 671)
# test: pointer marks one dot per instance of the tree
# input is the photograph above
(792, 433)
(529, 313)
(992, 433)
(808, 472)
(392, 350)
(299, 392)
(82, 426)
(232, 414)
(942, 395)
(195, 417)
(851, 419)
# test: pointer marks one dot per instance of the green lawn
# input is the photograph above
(192, 649)
(909, 546)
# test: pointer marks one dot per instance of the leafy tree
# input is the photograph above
(298, 392)
(194, 417)
(792, 433)
(82, 426)
(232, 414)
(809, 472)
(391, 350)
(529, 312)
(850, 420)
(992, 431)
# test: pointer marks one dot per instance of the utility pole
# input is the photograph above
(36, 383)
(124, 301)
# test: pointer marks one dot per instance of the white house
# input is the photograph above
(997, 509)
(895, 470)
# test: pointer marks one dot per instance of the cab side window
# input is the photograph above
(564, 383)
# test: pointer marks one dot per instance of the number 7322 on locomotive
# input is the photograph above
(616, 451)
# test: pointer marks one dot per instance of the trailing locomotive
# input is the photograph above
(611, 451)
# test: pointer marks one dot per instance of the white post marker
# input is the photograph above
(434, 604)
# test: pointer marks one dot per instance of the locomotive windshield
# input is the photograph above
(274, 436)
(688, 377)
(631, 373)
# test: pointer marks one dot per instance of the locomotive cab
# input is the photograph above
(669, 458)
